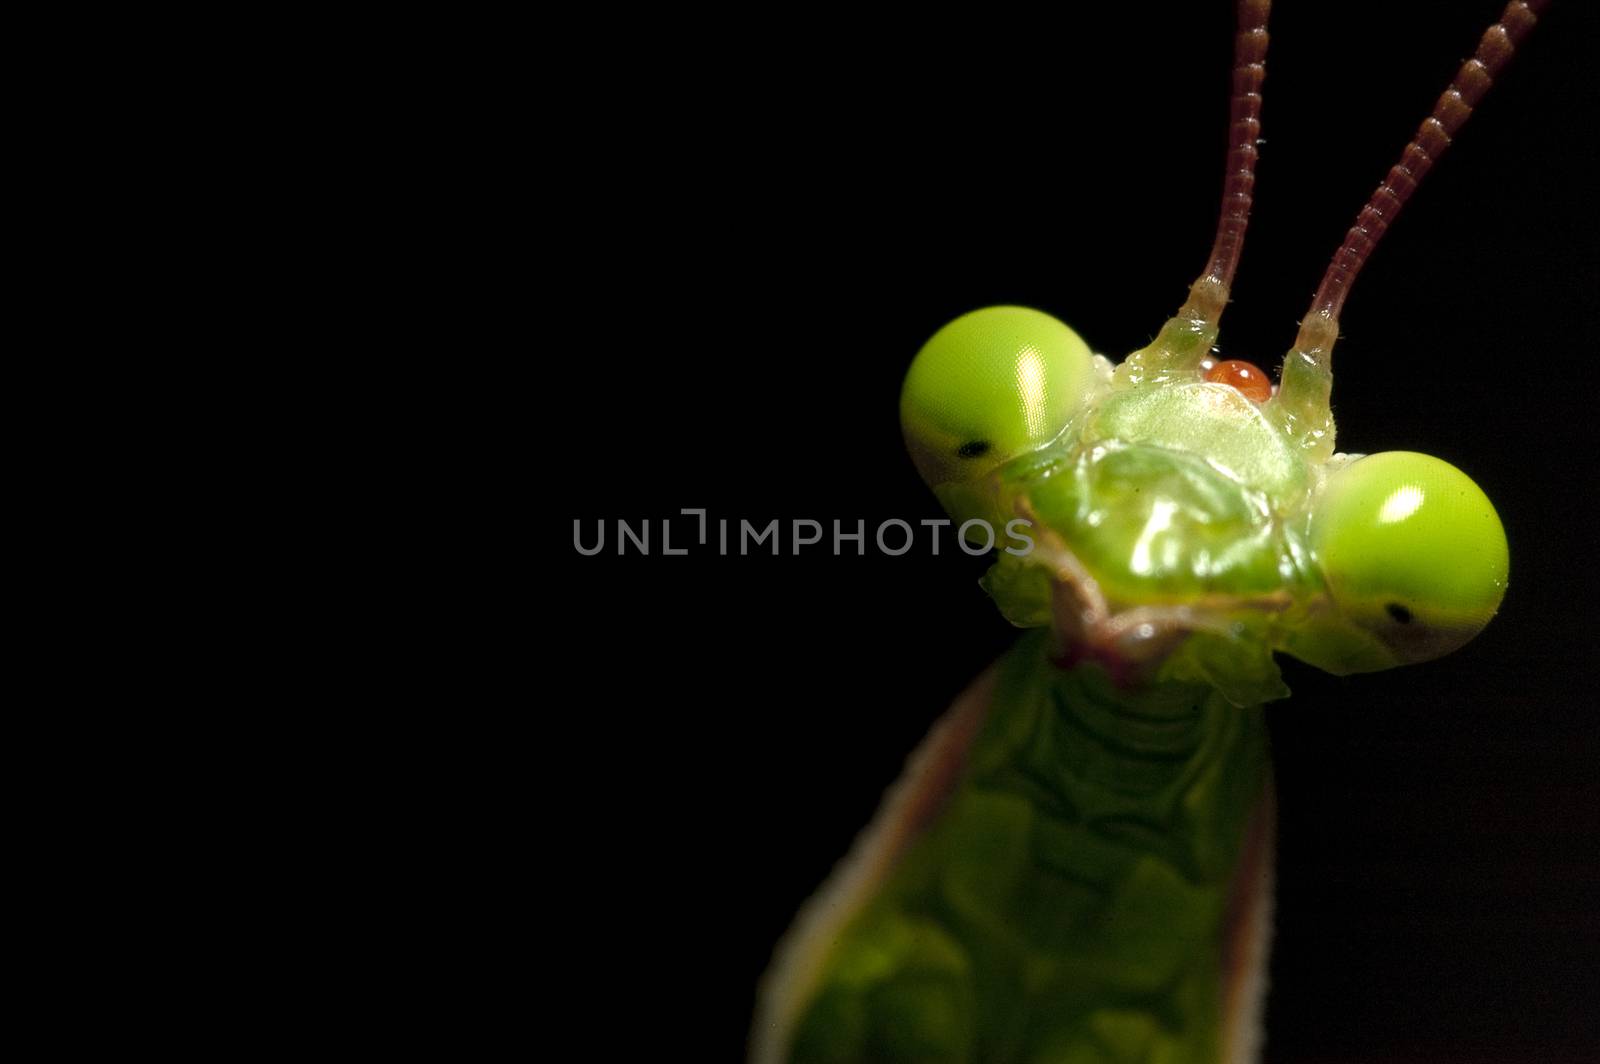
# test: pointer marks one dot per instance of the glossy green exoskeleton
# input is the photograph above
(1077, 865)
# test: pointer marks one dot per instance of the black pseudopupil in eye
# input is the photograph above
(1399, 612)
(974, 449)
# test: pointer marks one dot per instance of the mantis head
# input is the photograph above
(1178, 502)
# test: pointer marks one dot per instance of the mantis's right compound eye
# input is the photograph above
(989, 386)
(1412, 551)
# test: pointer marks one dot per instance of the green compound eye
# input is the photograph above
(989, 386)
(1412, 551)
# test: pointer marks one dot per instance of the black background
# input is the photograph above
(747, 239)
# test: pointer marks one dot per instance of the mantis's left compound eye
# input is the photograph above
(1412, 550)
(989, 386)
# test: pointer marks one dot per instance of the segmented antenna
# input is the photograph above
(1432, 138)
(1244, 131)
(1302, 400)
(1186, 338)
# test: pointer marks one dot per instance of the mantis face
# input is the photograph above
(1180, 519)
(1190, 517)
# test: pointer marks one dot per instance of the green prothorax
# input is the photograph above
(1191, 512)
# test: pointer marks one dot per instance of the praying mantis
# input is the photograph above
(1077, 865)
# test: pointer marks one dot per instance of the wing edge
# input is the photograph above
(908, 807)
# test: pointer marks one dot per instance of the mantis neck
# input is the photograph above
(1116, 835)
(1168, 773)
(1075, 896)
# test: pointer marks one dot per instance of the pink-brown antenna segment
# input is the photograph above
(1185, 338)
(1244, 131)
(1302, 403)
(1474, 78)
